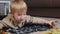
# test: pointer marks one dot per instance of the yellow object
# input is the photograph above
(8, 33)
(52, 31)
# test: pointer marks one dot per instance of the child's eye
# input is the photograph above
(19, 14)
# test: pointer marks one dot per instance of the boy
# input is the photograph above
(17, 17)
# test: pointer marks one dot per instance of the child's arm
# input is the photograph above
(38, 20)
(1, 25)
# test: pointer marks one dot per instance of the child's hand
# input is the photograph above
(51, 23)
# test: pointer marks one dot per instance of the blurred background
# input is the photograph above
(4, 7)
(40, 8)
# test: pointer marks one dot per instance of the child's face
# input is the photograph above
(19, 15)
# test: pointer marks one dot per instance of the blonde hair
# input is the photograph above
(18, 6)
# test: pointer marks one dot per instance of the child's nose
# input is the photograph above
(21, 19)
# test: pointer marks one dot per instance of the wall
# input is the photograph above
(2, 8)
(47, 8)
(6, 0)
